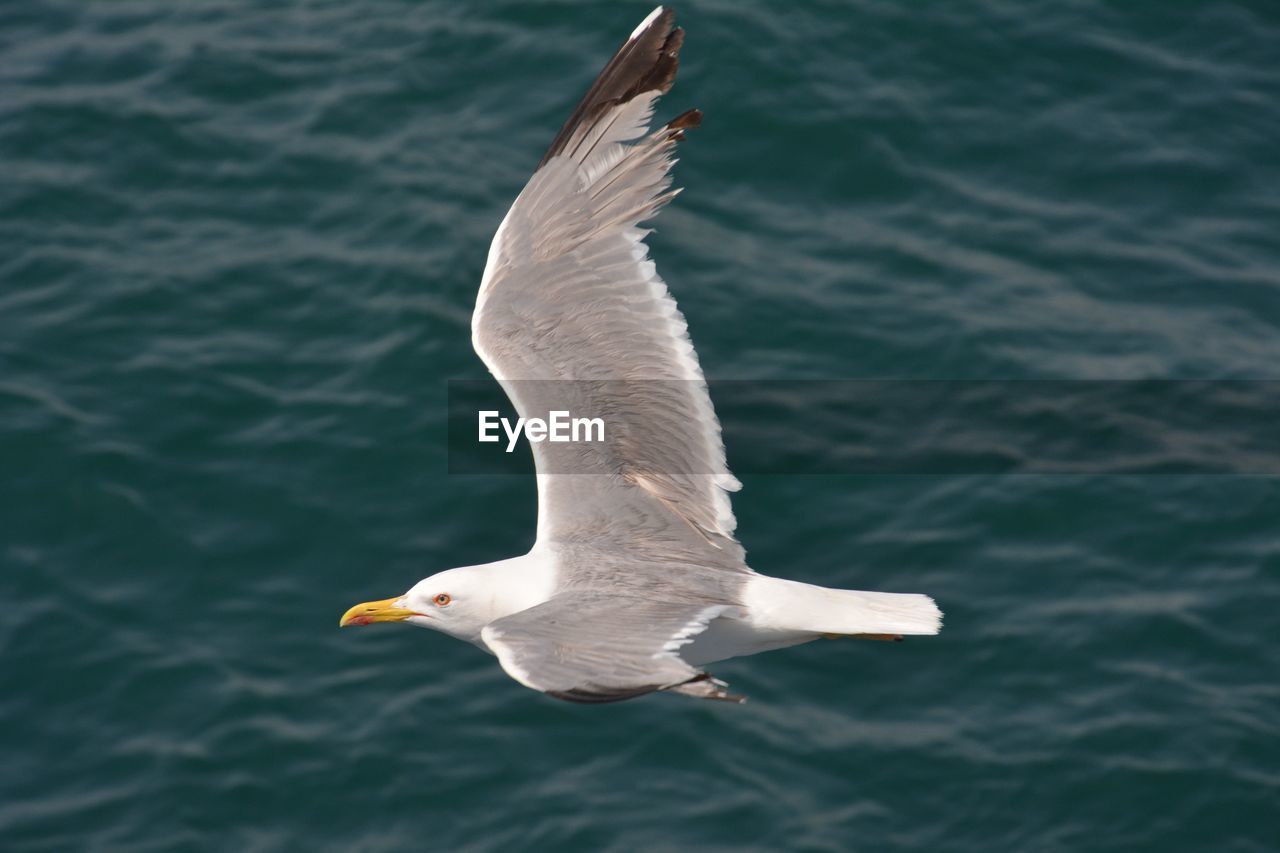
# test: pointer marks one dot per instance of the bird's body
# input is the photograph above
(636, 578)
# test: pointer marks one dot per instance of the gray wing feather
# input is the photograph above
(603, 648)
(572, 316)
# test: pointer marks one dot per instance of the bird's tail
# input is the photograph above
(795, 606)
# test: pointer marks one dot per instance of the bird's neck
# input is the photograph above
(517, 584)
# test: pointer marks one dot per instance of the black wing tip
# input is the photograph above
(662, 21)
(646, 62)
(663, 75)
(660, 43)
(704, 685)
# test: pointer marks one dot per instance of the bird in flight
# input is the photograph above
(636, 580)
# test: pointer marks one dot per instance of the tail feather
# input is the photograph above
(881, 612)
(794, 606)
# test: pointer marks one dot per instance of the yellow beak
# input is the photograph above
(375, 611)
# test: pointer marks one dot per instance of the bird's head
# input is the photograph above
(451, 601)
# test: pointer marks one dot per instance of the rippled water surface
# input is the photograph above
(239, 246)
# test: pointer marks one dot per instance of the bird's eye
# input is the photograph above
(442, 599)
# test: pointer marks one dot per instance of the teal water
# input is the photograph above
(239, 246)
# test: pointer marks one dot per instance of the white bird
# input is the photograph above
(635, 580)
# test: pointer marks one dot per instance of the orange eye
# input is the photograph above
(442, 599)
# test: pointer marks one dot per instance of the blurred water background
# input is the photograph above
(239, 246)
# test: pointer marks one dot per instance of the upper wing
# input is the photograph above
(604, 648)
(571, 316)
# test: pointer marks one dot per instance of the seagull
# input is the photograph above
(635, 580)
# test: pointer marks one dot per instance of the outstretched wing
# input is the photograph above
(604, 648)
(572, 317)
